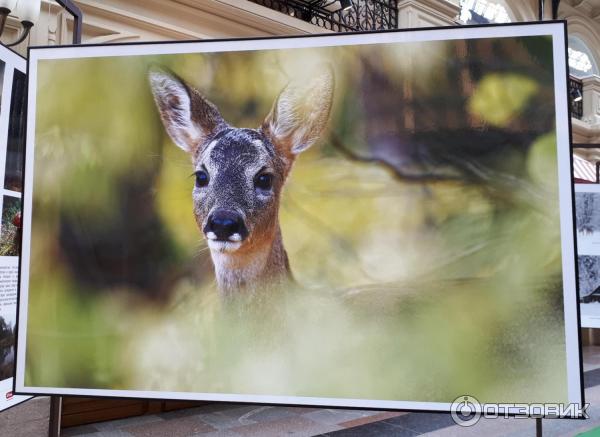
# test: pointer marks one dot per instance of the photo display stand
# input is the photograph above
(12, 147)
(130, 250)
(586, 173)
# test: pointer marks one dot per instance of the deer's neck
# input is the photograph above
(260, 265)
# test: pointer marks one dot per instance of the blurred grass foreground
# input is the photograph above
(423, 229)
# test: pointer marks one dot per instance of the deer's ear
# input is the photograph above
(188, 117)
(300, 114)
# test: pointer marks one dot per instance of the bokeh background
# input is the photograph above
(423, 230)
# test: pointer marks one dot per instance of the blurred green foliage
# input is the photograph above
(499, 97)
(411, 289)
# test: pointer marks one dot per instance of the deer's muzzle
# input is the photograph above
(225, 225)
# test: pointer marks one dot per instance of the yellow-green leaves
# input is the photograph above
(498, 98)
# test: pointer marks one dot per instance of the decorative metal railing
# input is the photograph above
(360, 15)
(576, 97)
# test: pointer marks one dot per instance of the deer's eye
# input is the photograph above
(264, 181)
(201, 178)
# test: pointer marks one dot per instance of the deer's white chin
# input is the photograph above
(224, 246)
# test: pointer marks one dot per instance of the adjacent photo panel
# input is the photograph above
(587, 225)
(12, 147)
(374, 220)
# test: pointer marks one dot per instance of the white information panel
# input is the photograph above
(12, 145)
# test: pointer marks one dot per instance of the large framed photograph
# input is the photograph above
(374, 220)
(13, 97)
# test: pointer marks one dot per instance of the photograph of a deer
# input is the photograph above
(240, 173)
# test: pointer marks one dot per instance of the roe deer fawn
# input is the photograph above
(240, 173)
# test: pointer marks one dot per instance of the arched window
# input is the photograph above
(581, 60)
(483, 12)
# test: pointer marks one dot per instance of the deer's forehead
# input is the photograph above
(240, 148)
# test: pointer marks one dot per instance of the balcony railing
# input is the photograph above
(576, 97)
(361, 15)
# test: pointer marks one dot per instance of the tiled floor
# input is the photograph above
(218, 420)
(228, 420)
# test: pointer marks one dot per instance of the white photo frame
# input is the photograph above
(554, 30)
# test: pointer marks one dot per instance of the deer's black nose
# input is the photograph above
(223, 225)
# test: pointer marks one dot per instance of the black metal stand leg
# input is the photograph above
(55, 411)
(538, 427)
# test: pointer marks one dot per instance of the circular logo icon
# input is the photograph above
(465, 410)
